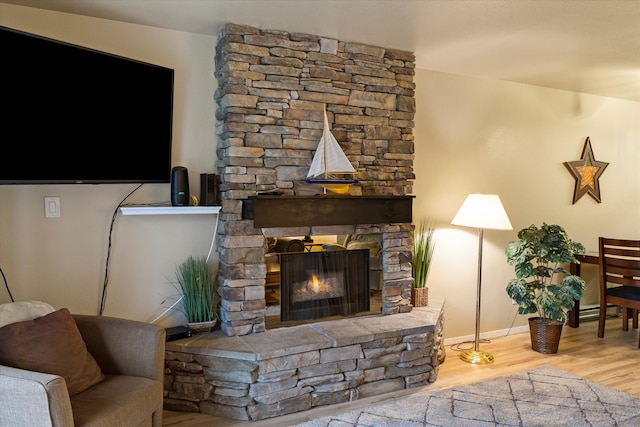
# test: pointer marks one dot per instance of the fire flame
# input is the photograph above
(317, 286)
(315, 283)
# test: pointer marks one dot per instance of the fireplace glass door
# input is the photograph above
(315, 285)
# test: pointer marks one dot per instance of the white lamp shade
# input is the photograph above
(483, 211)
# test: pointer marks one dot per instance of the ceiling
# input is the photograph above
(590, 46)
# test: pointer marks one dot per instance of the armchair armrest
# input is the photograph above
(124, 347)
(33, 399)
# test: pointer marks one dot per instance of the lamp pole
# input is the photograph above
(476, 356)
(481, 211)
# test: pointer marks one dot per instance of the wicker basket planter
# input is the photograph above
(545, 334)
(420, 297)
(198, 327)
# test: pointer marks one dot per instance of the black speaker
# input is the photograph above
(179, 186)
(209, 190)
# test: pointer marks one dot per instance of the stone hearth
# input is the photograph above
(294, 369)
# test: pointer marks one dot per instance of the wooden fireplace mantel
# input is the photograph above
(300, 211)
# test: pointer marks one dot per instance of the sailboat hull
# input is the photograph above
(338, 186)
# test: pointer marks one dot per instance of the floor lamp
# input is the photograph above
(481, 211)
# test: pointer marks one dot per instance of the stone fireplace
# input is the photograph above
(273, 87)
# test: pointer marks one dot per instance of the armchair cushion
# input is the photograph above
(333, 247)
(373, 242)
(23, 310)
(374, 247)
(51, 344)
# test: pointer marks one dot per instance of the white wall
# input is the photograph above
(472, 135)
(482, 136)
(62, 260)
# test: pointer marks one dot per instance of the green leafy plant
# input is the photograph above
(538, 257)
(423, 247)
(197, 284)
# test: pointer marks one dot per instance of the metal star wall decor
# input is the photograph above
(587, 172)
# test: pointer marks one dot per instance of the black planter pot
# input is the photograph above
(545, 334)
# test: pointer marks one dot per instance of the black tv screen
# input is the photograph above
(76, 115)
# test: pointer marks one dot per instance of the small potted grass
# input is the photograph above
(198, 286)
(423, 247)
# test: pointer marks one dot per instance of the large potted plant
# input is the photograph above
(542, 285)
(423, 247)
(198, 285)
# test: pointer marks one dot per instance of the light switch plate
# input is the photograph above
(52, 207)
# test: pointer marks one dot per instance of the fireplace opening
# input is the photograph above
(316, 285)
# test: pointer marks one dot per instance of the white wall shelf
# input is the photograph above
(169, 210)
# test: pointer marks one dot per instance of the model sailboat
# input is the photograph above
(328, 161)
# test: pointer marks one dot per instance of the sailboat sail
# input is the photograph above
(330, 159)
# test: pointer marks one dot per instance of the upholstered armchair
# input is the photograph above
(125, 389)
(373, 242)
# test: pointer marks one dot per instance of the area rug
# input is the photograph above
(543, 396)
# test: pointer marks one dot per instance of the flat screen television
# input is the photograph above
(74, 115)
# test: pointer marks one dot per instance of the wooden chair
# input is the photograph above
(619, 280)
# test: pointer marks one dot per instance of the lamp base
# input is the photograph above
(476, 357)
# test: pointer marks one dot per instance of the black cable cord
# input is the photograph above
(457, 347)
(108, 260)
(6, 285)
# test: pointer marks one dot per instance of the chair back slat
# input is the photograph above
(626, 267)
(620, 261)
(621, 252)
(622, 280)
(623, 243)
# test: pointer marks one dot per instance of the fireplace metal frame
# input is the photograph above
(354, 267)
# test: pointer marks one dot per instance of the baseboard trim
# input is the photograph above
(487, 335)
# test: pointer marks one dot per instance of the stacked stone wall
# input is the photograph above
(273, 87)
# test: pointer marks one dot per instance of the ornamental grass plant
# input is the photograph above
(197, 283)
(423, 248)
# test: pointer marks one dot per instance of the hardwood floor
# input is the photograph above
(613, 361)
